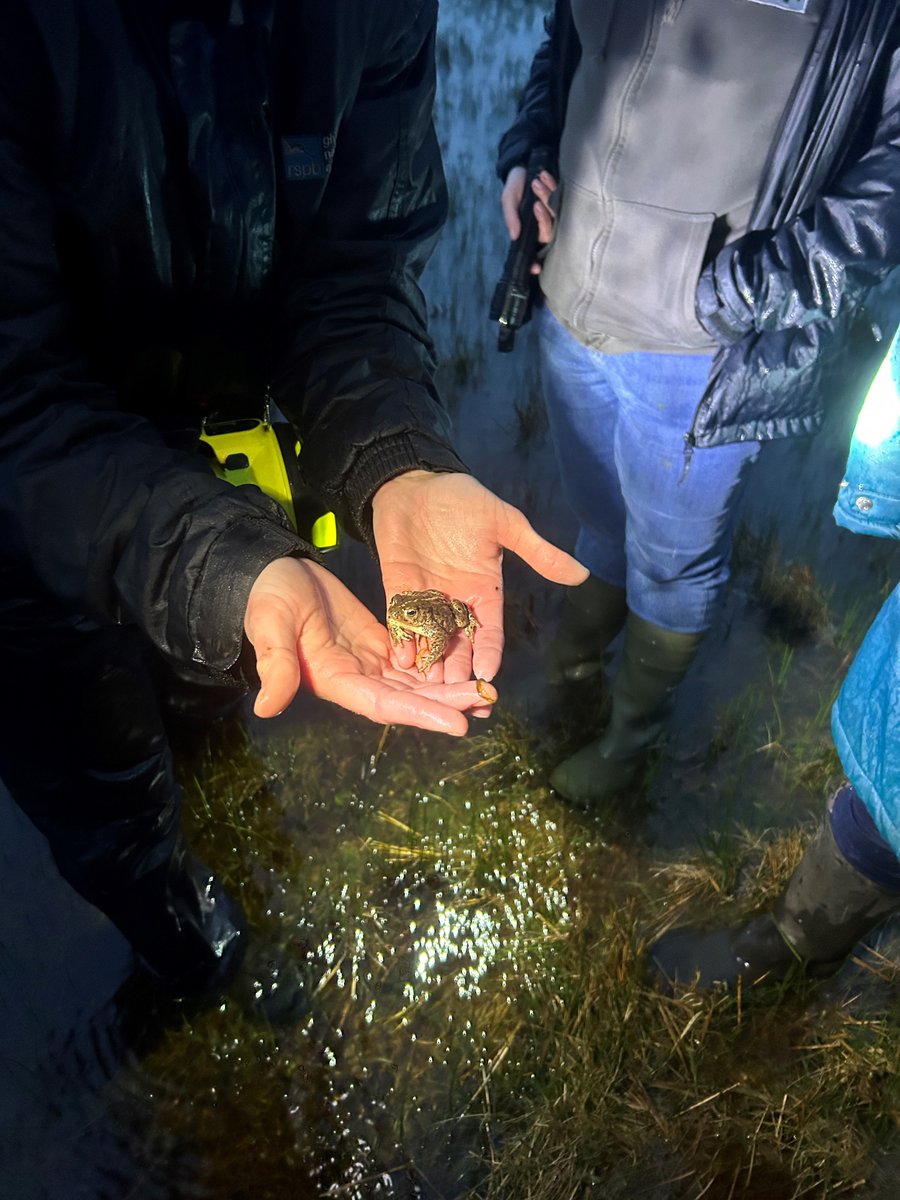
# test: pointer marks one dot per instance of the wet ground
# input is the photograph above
(433, 892)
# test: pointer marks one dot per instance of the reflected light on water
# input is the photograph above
(475, 899)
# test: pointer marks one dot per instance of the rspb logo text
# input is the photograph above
(307, 157)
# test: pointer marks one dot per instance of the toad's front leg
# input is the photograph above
(398, 633)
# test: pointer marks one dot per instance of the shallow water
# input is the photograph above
(433, 892)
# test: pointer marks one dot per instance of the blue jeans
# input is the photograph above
(859, 841)
(618, 423)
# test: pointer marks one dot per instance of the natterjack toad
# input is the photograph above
(430, 617)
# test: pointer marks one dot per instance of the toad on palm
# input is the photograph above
(432, 618)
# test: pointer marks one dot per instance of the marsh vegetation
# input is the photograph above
(480, 1025)
(480, 1021)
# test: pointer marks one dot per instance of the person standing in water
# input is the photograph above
(848, 880)
(721, 193)
(207, 204)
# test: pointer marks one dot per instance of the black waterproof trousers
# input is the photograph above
(85, 753)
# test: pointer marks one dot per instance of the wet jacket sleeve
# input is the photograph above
(538, 120)
(95, 509)
(357, 367)
(825, 258)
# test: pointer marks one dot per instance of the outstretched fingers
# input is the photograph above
(439, 707)
(542, 556)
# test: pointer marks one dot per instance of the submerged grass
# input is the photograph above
(480, 1021)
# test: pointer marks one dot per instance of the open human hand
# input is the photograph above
(448, 532)
(307, 627)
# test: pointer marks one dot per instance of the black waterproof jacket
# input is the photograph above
(781, 300)
(200, 200)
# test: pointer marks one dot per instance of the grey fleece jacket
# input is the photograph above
(671, 115)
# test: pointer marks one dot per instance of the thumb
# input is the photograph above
(273, 635)
(542, 556)
(511, 199)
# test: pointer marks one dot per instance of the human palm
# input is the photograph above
(447, 531)
(307, 627)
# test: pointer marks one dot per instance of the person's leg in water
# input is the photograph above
(582, 412)
(846, 883)
(848, 880)
(85, 755)
(669, 531)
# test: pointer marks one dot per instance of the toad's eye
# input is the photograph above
(409, 613)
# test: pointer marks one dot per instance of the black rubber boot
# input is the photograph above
(267, 983)
(654, 662)
(825, 909)
(102, 789)
(592, 614)
(256, 975)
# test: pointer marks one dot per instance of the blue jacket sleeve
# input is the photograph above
(869, 495)
(865, 721)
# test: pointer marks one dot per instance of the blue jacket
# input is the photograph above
(865, 719)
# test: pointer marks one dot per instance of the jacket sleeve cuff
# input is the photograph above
(515, 156)
(386, 459)
(219, 601)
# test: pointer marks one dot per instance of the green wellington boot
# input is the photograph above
(825, 909)
(592, 615)
(654, 662)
